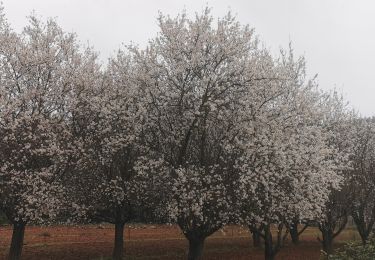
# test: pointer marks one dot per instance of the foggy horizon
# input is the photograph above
(335, 37)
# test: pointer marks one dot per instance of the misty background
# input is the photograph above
(337, 37)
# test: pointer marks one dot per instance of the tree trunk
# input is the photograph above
(363, 231)
(269, 253)
(364, 239)
(118, 250)
(256, 239)
(17, 241)
(327, 242)
(294, 233)
(255, 235)
(195, 248)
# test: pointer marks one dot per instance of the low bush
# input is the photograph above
(355, 251)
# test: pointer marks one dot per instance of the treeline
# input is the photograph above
(202, 128)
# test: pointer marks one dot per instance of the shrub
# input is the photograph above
(355, 251)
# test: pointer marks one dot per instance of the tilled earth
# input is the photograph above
(150, 242)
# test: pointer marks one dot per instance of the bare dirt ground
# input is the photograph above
(152, 242)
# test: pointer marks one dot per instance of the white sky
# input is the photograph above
(337, 37)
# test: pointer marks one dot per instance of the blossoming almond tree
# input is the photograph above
(38, 69)
(203, 125)
(194, 76)
(284, 166)
(338, 122)
(106, 123)
(362, 178)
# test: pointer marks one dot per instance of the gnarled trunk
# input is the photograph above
(196, 245)
(196, 235)
(327, 242)
(294, 235)
(293, 230)
(269, 252)
(256, 236)
(17, 241)
(271, 248)
(330, 230)
(256, 239)
(118, 250)
(364, 223)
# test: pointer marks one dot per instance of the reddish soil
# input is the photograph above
(150, 242)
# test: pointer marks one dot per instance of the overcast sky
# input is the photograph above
(337, 37)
